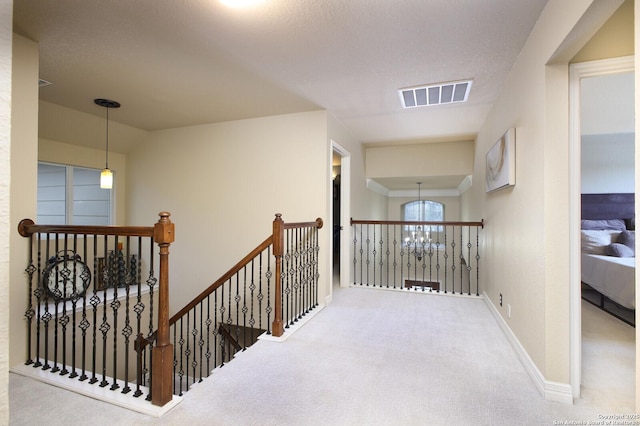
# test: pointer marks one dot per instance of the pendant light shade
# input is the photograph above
(106, 177)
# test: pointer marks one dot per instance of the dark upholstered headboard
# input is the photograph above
(608, 206)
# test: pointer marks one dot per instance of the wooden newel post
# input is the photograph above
(162, 370)
(278, 249)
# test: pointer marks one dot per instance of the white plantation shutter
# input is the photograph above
(71, 195)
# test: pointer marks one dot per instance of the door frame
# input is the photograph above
(577, 72)
(345, 210)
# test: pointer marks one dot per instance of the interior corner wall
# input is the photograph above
(24, 158)
(223, 183)
(526, 226)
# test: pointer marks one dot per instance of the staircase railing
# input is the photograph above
(92, 289)
(442, 257)
(270, 289)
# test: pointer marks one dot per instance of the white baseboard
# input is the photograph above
(141, 405)
(552, 391)
(290, 330)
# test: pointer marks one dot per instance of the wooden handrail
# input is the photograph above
(27, 227)
(405, 222)
(230, 273)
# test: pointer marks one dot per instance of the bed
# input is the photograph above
(608, 253)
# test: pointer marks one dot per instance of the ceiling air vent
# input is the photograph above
(435, 94)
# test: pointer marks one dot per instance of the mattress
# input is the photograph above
(612, 276)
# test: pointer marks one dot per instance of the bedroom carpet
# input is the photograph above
(372, 357)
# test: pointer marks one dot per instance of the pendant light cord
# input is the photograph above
(107, 154)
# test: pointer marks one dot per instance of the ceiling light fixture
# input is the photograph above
(435, 94)
(106, 177)
(237, 4)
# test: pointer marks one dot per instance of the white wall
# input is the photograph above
(607, 163)
(223, 184)
(6, 228)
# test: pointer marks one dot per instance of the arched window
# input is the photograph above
(422, 210)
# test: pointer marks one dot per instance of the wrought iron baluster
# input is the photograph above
(30, 312)
(438, 260)
(218, 325)
(194, 335)
(56, 316)
(355, 259)
(453, 260)
(104, 326)
(138, 308)
(237, 299)
(127, 330)
(46, 317)
(115, 306)
(39, 302)
(245, 308)
(260, 295)
(477, 261)
(268, 275)
(215, 330)
(201, 340)
(207, 353)
(252, 289)
(176, 390)
(181, 354)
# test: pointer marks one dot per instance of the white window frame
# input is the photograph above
(69, 192)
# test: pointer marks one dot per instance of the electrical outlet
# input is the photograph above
(500, 299)
(509, 311)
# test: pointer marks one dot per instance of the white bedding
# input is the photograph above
(612, 276)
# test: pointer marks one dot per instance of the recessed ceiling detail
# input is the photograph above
(435, 94)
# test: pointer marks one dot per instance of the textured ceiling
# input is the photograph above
(186, 62)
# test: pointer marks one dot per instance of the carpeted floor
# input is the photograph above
(372, 357)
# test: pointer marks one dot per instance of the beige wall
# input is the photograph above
(613, 40)
(24, 156)
(429, 159)
(223, 184)
(5, 206)
(526, 241)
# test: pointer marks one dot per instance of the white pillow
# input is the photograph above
(594, 242)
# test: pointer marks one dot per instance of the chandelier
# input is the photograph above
(419, 239)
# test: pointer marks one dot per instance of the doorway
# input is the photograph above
(596, 92)
(340, 213)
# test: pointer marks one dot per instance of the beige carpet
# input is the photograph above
(372, 357)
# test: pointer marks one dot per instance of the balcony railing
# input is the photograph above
(442, 257)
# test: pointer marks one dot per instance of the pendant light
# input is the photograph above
(106, 177)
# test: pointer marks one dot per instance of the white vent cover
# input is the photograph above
(435, 94)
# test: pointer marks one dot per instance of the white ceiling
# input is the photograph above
(179, 63)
